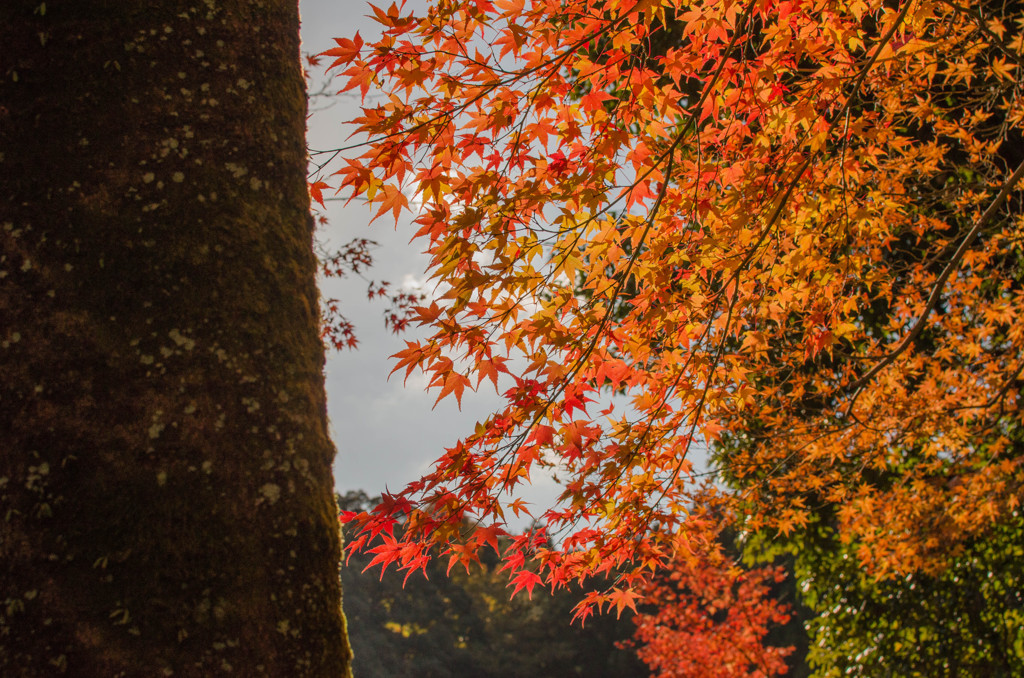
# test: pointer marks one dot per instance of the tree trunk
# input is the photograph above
(165, 472)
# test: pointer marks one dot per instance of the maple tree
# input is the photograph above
(709, 617)
(785, 229)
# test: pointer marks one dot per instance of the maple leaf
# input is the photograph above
(453, 382)
(489, 369)
(346, 51)
(489, 535)
(524, 579)
(585, 608)
(542, 435)
(621, 599)
(316, 191)
(387, 552)
(391, 198)
(409, 358)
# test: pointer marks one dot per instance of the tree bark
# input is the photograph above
(166, 498)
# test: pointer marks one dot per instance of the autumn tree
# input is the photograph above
(656, 224)
(882, 602)
(166, 472)
(705, 616)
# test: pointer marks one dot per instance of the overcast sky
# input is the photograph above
(387, 435)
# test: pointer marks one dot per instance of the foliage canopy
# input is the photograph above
(787, 230)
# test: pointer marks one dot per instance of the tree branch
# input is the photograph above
(933, 298)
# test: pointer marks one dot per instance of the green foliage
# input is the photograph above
(962, 621)
(966, 621)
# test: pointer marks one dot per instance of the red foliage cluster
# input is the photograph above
(709, 620)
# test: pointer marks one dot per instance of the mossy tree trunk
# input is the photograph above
(166, 502)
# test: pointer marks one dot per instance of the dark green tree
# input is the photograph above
(967, 620)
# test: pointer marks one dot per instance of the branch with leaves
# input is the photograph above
(786, 230)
